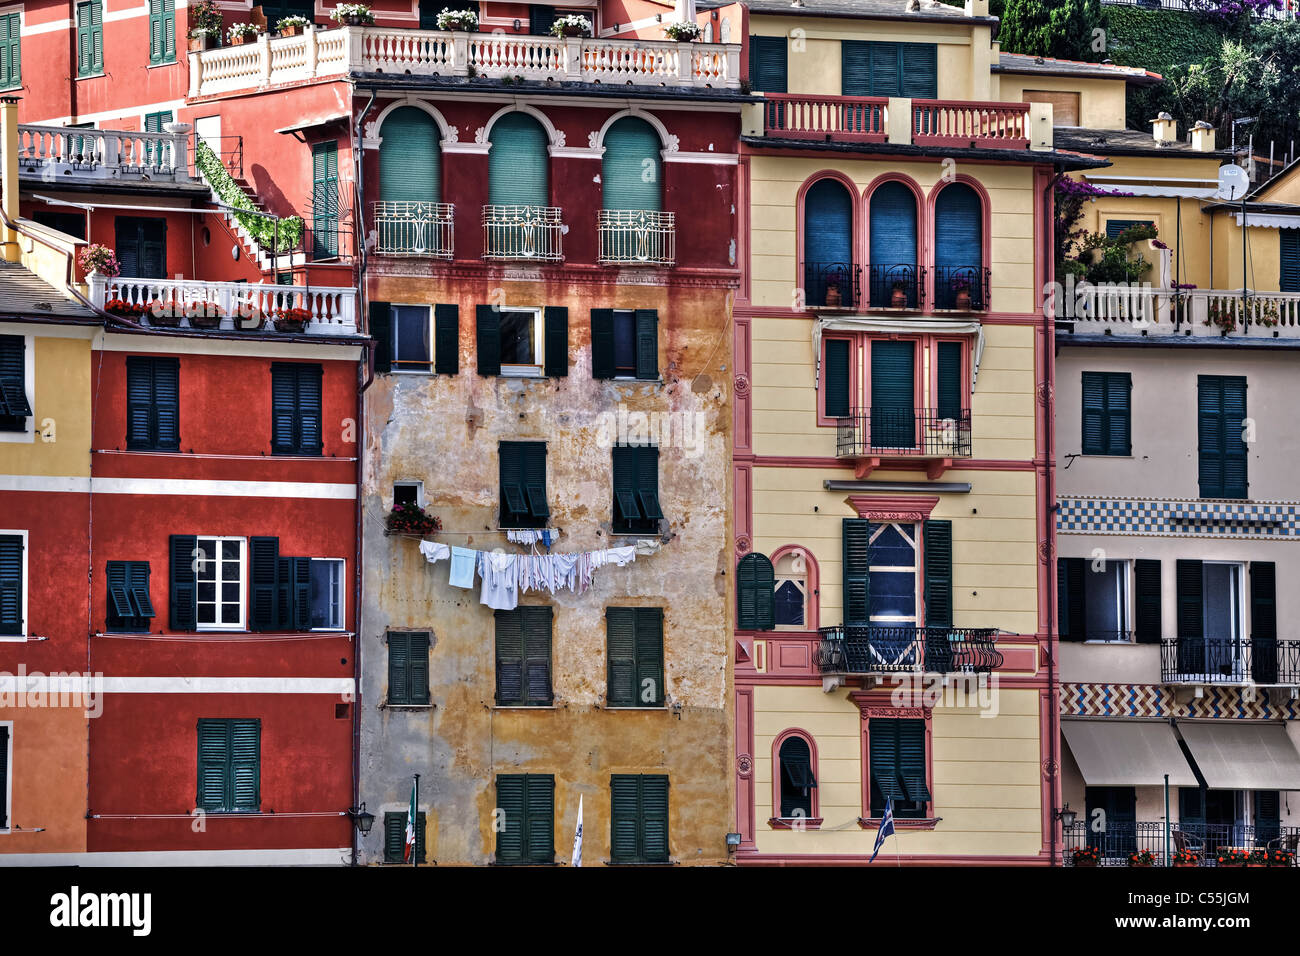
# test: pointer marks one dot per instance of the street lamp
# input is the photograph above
(1066, 816)
(361, 818)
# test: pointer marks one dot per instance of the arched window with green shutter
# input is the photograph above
(518, 162)
(959, 248)
(755, 593)
(828, 244)
(631, 172)
(410, 181)
(892, 258)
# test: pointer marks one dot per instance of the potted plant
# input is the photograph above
(1142, 858)
(1230, 856)
(683, 31)
(353, 15)
(205, 25)
(410, 518)
(203, 315)
(1185, 858)
(129, 310)
(1268, 316)
(458, 21)
(571, 25)
(1280, 857)
(1220, 314)
(241, 33)
(98, 258)
(291, 320)
(898, 296)
(961, 293)
(1086, 856)
(833, 296)
(1257, 858)
(291, 26)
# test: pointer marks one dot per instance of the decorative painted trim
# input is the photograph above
(813, 819)
(713, 159)
(1158, 701)
(756, 858)
(179, 486)
(877, 705)
(373, 139)
(893, 507)
(1179, 517)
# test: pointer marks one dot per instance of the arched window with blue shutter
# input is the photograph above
(959, 249)
(518, 173)
(828, 268)
(631, 172)
(892, 258)
(755, 593)
(410, 179)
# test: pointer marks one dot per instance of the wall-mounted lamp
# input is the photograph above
(1066, 816)
(733, 841)
(517, 24)
(659, 18)
(361, 818)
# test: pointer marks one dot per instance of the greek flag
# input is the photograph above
(886, 828)
(576, 860)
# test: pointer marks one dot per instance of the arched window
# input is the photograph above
(755, 583)
(410, 181)
(631, 172)
(791, 591)
(958, 249)
(828, 244)
(892, 259)
(797, 779)
(518, 168)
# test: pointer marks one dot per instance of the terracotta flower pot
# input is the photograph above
(898, 298)
(1184, 864)
(291, 31)
(1085, 862)
(963, 300)
(833, 296)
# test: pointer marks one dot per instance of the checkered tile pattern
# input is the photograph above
(1154, 700)
(1179, 518)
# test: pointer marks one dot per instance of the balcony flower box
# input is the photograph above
(1086, 856)
(203, 315)
(292, 26)
(685, 31)
(353, 15)
(241, 33)
(458, 21)
(133, 311)
(407, 518)
(572, 25)
(1280, 858)
(1229, 856)
(1185, 858)
(1142, 858)
(291, 320)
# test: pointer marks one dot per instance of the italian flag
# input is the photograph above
(411, 818)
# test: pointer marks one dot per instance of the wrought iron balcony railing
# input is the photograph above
(884, 649)
(900, 286)
(637, 237)
(531, 233)
(962, 288)
(1221, 660)
(1122, 839)
(909, 432)
(414, 229)
(832, 285)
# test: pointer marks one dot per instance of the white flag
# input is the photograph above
(577, 839)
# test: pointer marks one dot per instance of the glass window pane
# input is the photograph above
(230, 592)
(230, 550)
(412, 334)
(517, 338)
(625, 343)
(324, 594)
(207, 591)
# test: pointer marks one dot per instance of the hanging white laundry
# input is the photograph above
(500, 573)
(435, 551)
(619, 556)
(462, 567)
(647, 546)
(524, 535)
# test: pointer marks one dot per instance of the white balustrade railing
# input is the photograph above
(1136, 310)
(224, 306)
(637, 237)
(324, 53)
(414, 229)
(102, 153)
(531, 233)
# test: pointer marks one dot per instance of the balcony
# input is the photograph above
(523, 233)
(899, 286)
(962, 288)
(318, 54)
(832, 285)
(62, 154)
(1240, 661)
(875, 119)
(973, 124)
(1141, 311)
(227, 306)
(1122, 839)
(870, 436)
(852, 649)
(637, 237)
(424, 229)
(848, 119)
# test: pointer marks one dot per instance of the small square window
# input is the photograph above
(408, 493)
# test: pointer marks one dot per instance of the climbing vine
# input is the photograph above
(261, 229)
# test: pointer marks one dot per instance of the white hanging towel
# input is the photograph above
(434, 551)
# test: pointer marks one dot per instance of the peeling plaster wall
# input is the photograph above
(444, 430)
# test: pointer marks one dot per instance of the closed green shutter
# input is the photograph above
(395, 836)
(11, 73)
(893, 396)
(649, 657)
(14, 407)
(1114, 227)
(951, 395)
(381, 331)
(1071, 619)
(296, 409)
(518, 163)
(938, 573)
(755, 593)
(836, 399)
(1107, 413)
(90, 38)
(540, 19)
(889, 69)
(264, 574)
(141, 246)
(602, 343)
(11, 585)
(886, 70)
(511, 835)
(537, 625)
(556, 342)
(1221, 404)
(229, 765)
(1190, 585)
(919, 71)
(959, 244)
(1289, 281)
(631, 174)
(654, 818)
(1094, 413)
(1268, 817)
(911, 760)
(857, 583)
(638, 818)
(509, 658)
(636, 489)
(183, 588)
(488, 340)
(528, 834)
(408, 667)
(1263, 622)
(214, 761)
(410, 158)
(620, 635)
(647, 344)
(152, 403)
(162, 31)
(446, 339)
(855, 68)
(539, 805)
(325, 200)
(1147, 623)
(245, 764)
(767, 64)
(893, 233)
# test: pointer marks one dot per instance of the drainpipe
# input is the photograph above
(1049, 518)
(9, 190)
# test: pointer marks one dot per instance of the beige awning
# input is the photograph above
(1235, 755)
(1127, 753)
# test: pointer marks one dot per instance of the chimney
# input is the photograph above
(1203, 137)
(977, 8)
(1165, 129)
(9, 172)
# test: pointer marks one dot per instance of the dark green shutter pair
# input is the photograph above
(635, 674)
(229, 765)
(527, 802)
(636, 489)
(523, 484)
(1263, 622)
(836, 402)
(296, 409)
(1107, 400)
(555, 340)
(325, 199)
(14, 407)
(162, 31)
(11, 72)
(646, 332)
(1072, 601)
(90, 39)
(408, 667)
(889, 69)
(937, 541)
(141, 246)
(152, 403)
(11, 585)
(280, 589)
(1221, 415)
(898, 767)
(638, 818)
(446, 337)
(768, 58)
(395, 836)
(755, 593)
(129, 605)
(523, 657)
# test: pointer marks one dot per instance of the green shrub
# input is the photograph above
(263, 230)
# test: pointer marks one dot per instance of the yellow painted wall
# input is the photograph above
(60, 395)
(1101, 102)
(1263, 255)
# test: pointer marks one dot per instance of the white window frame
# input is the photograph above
(27, 584)
(800, 581)
(242, 624)
(415, 483)
(537, 369)
(898, 620)
(428, 336)
(341, 595)
(6, 796)
(1124, 598)
(28, 435)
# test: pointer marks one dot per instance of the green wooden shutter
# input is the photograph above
(511, 837)
(556, 342)
(951, 397)
(183, 589)
(755, 593)
(213, 764)
(647, 344)
(534, 468)
(166, 402)
(510, 658)
(649, 657)
(399, 667)
(602, 343)
(245, 764)
(1268, 816)
(417, 674)
(309, 409)
(139, 403)
(893, 397)
(1094, 413)
(886, 70)
(539, 806)
(836, 399)
(647, 484)
(855, 68)
(938, 573)
(1147, 623)
(488, 321)
(137, 581)
(11, 585)
(518, 163)
(893, 240)
(767, 64)
(1191, 809)
(1071, 617)
(264, 574)
(1289, 280)
(514, 505)
(624, 829)
(857, 584)
(395, 836)
(883, 740)
(959, 232)
(446, 339)
(14, 407)
(4, 776)
(300, 586)
(626, 510)
(911, 760)
(540, 19)
(90, 38)
(11, 72)
(1263, 622)
(631, 173)
(537, 624)
(325, 199)
(620, 666)
(381, 332)
(1190, 586)
(1114, 227)
(919, 71)
(654, 818)
(410, 158)
(284, 404)
(1234, 447)
(1118, 388)
(1221, 404)
(162, 31)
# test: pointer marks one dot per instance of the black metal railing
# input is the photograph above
(962, 288)
(886, 649)
(899, 286)
(832, 284)
(1214, 660)
(1118, 841)
(912, 432)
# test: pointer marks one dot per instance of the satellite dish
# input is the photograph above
(1233, 182)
